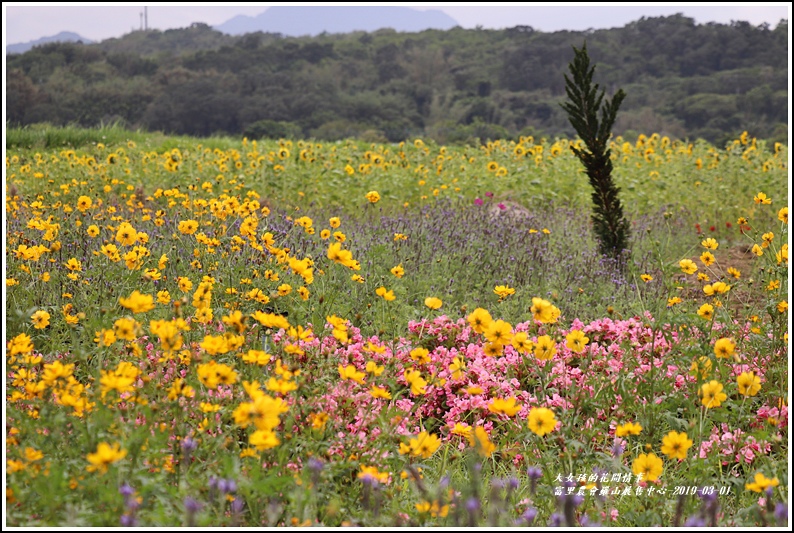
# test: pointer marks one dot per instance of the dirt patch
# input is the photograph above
(508, 209)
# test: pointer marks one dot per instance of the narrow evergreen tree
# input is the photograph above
(611, 228)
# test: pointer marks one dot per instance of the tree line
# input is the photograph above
(682, 79)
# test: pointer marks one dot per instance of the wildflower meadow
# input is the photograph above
(225, 332)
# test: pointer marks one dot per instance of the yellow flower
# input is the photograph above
(687, 266)
(543, 311)
(372, 196)
(126, 329)
(629, 428)
(499, 332)
(270, 320)
(576, 341)
(104, 456)
(749, 384)
(479, 319)
(649, 466)
(83, 203)
(213, 374)
(782, 307)
(506, 406)
(646, 278)
(712, 394)
(420, 354)
(433, 303)
(706, 311)
(480, 440)
(545, 348)
(371, 472)
(761, 483)
(724, 348)
(398, 271)
(284, 289)
(782, 215)
(350, 372)
(385, 294)
(541, 421)
(675, 445)
(707, 258)
(92, 230)
(757, 250)
(380, 392)
(126, 234)
(761, 198)
(137, 302)
(522, 343)
(461, 430)
(710, 243)
(40, 319)
(263, 439)
(413, 379)
(424, 445)
(457, 368)
(503, 291)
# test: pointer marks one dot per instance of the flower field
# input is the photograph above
(219, 332)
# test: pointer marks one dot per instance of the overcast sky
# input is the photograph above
(25, 22)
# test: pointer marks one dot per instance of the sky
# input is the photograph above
(25, 21)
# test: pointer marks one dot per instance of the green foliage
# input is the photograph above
(271, 129)
(725, 78)
(609, 225)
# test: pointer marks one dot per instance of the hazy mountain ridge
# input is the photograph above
(297, 21)
(62, 37)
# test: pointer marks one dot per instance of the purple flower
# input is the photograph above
(227, 486)
(555, 520)
(585, 521)
(188, 445)
(192, 506)
(315, 465)
(128, 520)
(707, 495)
(534, 474)
(529, 515)
(126, 490)
(472, 504)
(617, 449)
(695, 521)
(781, 513)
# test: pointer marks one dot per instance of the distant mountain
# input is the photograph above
(63, 37)
(297, 21)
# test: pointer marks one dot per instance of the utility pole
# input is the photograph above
(146, 18)
(141, 21)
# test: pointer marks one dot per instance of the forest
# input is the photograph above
(684, 80)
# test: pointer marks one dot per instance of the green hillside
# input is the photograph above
(684, 80)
